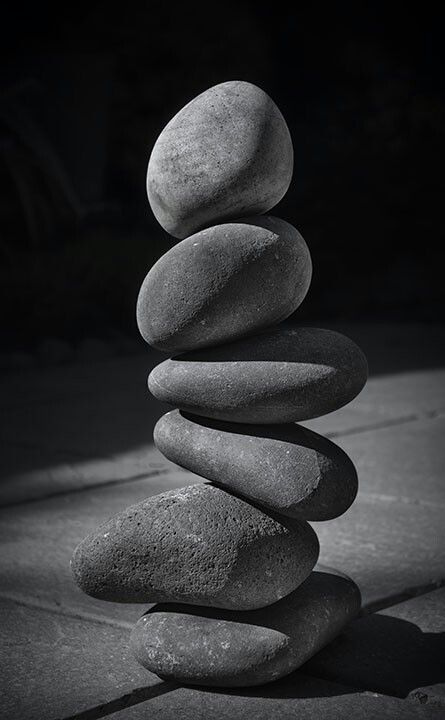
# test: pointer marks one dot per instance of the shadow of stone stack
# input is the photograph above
(231, 560)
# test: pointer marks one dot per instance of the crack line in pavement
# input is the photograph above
(134, 697)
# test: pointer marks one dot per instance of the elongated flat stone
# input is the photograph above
(222, 283)
(286, 468)
(196, 545)
(227, 154)
(282, 375)
(212, 647)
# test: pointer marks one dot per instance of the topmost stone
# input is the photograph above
(227, 154)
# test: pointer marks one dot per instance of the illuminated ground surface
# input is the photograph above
(76, 448)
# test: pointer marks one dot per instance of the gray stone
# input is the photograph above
(196, 545)
(227, 154)
(286, 468)
(222, 283)
(282, 375)
(226, 648)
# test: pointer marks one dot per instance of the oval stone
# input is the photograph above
(226, 648)
(227, 154)
(222, 283)
(197, 545)
(280, 376)
(286, 468)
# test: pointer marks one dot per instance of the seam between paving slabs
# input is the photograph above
(32, 603)
(65, 610)
(402, 420)
(140, 695)
(390, 422)
(379, 497)
(86, 488)
(136, 696)
(144, 694)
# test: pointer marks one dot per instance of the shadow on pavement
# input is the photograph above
(383, 654)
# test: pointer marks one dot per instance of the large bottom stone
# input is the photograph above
(204, 646)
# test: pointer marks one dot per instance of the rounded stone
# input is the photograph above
(279, 376)
(286, 468)
(227, 154)
(197, 545)
(203, 646)
(222, 283)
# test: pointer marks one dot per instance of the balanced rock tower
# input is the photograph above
(230, 561)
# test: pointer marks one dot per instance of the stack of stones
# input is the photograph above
(231, 560)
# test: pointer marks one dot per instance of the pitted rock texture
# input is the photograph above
(197, 545)
(279, 376)
(227, 154)
(221, 284)
(224, 648)
(286, 468)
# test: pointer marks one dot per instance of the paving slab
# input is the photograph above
(101, 422)
(38, 539)
(75, 428)
(387, 399)
(296, 697)
(399, 651)
(388, 548)
(35, 473)
(61, 667)
(54, 419)
(84, 440)
(55, 666)
(401, 462)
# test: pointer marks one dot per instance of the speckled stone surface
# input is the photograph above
(221, 284)
(227, 154)
(222, 648)
(197, 545)
(286, 468)
(278, 376)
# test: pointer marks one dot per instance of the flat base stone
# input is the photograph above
(201, 646)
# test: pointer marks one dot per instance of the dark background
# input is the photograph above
(86, 91)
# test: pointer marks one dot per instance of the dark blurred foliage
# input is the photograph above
(86, 91)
